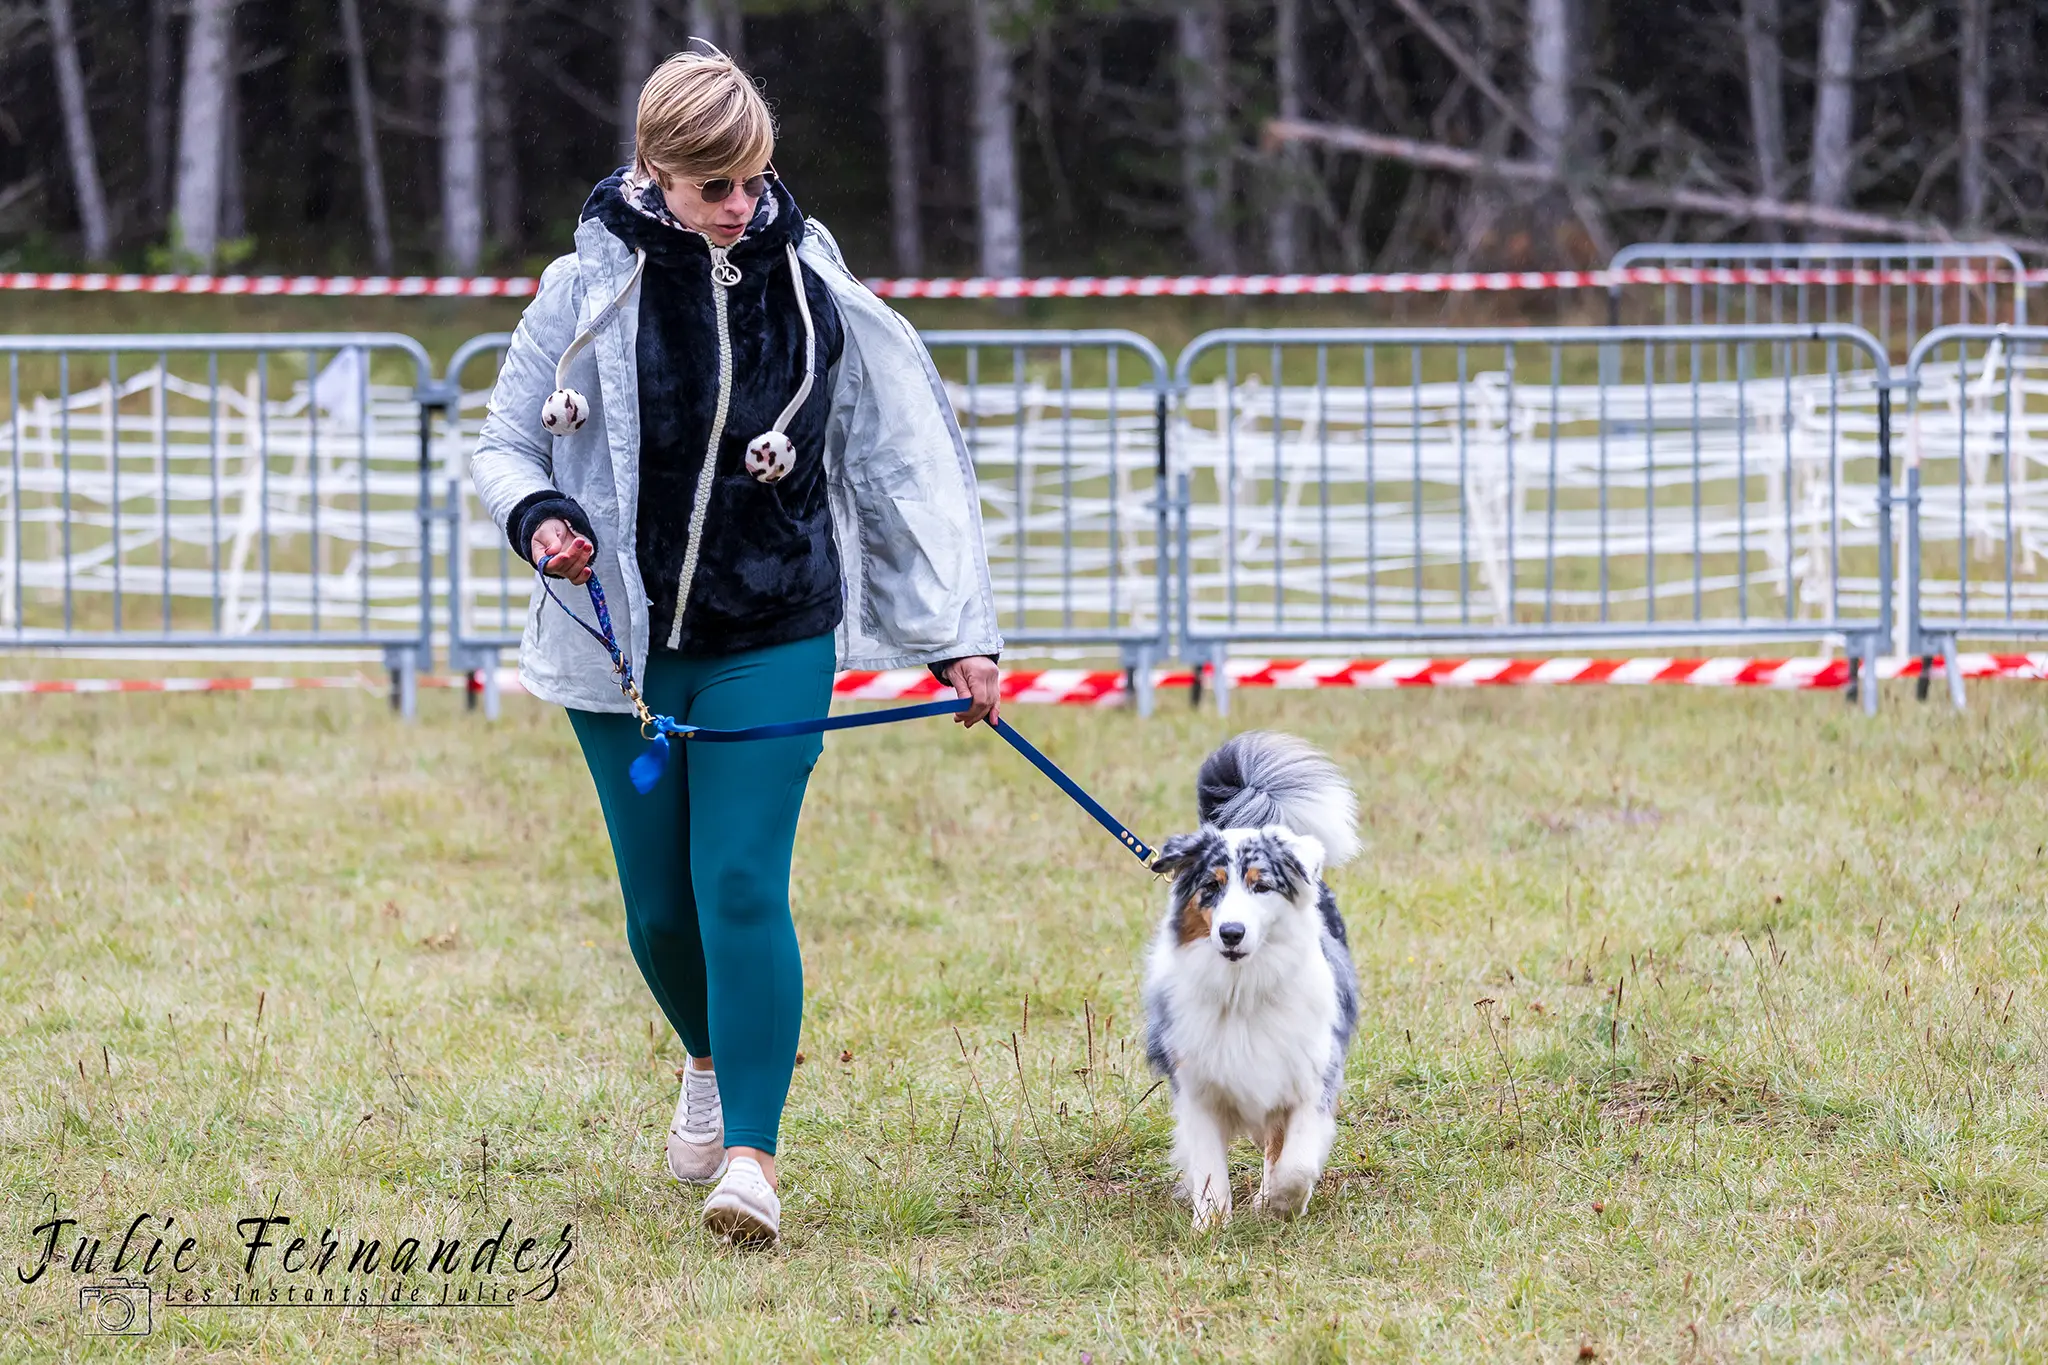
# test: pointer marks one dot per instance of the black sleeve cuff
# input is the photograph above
(939, 669)
(535, 508)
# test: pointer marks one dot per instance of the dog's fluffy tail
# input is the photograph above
(1262, 777)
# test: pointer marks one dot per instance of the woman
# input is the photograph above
(701, 315)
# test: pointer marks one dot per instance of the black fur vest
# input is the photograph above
(767, 569)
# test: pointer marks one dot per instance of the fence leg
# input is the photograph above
(1953, 667)
(404, 664)
(1219, 679)
(1926, 678)
(1872, 645)
(1138, 677)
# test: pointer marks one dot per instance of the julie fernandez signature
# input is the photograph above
(154, 1260)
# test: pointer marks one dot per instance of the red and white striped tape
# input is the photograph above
(40, 686)
(1196, 286)
(1076, 687)
(1082, 687)
(1055, 286)
(288, 286)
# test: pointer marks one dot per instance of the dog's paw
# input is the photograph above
(1285, 1196)
(1211, 1219)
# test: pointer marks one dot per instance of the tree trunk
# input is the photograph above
(1203, 49)
(636, 61)
(1974, 98)
(202, 126)
(705, 23)
(995, 143)
(85, 165)
(1834, 106)
(1550, 79)
(462, 219)
(899, 116)
(500, 130)
(156, 127)
(733, 26)
(1286, 246)
(363, 105)
(234, 204)
(1766, 61)
(719, 23)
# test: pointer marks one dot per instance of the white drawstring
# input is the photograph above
(803, 306)
(566, 409)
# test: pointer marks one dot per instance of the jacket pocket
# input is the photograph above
(919, 561)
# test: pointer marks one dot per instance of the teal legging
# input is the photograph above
(704, 862)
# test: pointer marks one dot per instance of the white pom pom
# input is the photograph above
(770, 456)
(565, 410)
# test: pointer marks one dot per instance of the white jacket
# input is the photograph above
(905, 512)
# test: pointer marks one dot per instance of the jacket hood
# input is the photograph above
(631, 206)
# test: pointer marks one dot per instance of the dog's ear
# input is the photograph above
(1309, 852)
(1179, 852)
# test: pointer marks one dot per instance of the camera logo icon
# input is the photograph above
(117, 1307)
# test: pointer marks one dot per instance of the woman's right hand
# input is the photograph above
(568, 554)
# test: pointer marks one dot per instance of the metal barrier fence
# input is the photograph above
(1898, 313)
(195, 492)
(1533, 486)
(1068, 435)
(1509, 487)
(1977, 526)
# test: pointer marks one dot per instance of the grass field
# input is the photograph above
(1696, 1026)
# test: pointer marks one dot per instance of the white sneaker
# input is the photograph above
(744, 1209)
(696, 1136)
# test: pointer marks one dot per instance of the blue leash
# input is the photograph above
(657, 729)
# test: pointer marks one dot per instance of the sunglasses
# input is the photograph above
(719, 190)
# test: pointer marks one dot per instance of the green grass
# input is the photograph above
(1695, 1025)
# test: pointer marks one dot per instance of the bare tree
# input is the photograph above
(234, 203)
(1834, 106)
(1973, 99)
(500, 127)
(704, 23)
(1550, 79)
(1202, 81)
(364, 108)
(202, 127)
(899, 116)
(156, 122)
(85, 165)
(462, 218)
(1286, 239)
(720, 23)
(995, 143)
(1624, 191)
(733, 24)
(636, 59)
(1765, 58)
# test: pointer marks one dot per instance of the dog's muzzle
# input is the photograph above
(1232, 935)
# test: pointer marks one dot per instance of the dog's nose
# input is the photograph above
(1232, 934)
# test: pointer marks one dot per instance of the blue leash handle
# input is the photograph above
(649, 766)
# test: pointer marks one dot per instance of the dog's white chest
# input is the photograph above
(1256, 1051)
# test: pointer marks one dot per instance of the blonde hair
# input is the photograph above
(701, 116)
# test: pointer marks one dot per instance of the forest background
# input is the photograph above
(1007, 137)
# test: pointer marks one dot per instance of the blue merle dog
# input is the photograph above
(1250, 995)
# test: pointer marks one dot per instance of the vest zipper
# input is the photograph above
(723, 275)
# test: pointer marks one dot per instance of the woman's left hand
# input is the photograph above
(980, 679)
